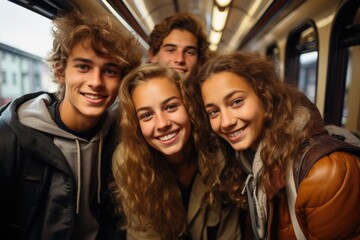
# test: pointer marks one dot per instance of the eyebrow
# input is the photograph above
(162, 103)
(174, 45)
(226, 97)
(89, 61)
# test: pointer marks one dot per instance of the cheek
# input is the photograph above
(114, 85)
(145, 129)
(192, 60)
(258, 118)
(214, 123)
(184, 120)
(188, 127)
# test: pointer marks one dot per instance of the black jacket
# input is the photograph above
(35, 177)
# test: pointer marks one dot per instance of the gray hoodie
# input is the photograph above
(83, 157)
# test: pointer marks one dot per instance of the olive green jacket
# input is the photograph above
(202, 219)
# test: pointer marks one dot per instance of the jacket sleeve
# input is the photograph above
(8, 143)
(328, 200)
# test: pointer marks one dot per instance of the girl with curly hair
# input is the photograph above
(156, 165)
(264, 126)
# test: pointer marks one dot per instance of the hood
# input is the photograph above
(30, 119)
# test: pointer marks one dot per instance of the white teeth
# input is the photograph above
(94, 97)
(234, 134)
(168, 137)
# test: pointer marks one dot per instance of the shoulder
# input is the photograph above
(329, 196)
(6, 142)
(331, 174)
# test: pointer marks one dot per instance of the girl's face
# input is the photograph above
(235, 112)
(164, 121)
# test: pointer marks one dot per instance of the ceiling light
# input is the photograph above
(218, 20)
(215, 37)
(223, 3)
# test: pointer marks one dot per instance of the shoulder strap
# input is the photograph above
(320, 146)
(291, 194)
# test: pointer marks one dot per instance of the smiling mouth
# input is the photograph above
(235, 133)
(180, 70)
(93, 96)
(168, 136)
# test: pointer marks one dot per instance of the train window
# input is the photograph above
(301, 59)
(24, 43)
(342, 99)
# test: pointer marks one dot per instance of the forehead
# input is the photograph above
(226, 79)
(181, 38)
(155, 89)
(219, 85)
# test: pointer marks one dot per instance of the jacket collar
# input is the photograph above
(198, 192)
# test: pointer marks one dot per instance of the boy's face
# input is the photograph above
(178, 51)
(91, 86)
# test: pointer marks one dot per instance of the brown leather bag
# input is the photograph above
(320, 146)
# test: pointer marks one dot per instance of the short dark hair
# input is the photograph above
(182, 21)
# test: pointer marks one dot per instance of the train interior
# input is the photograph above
(316, 43)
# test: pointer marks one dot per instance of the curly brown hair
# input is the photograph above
(181, 21)
(142, 173)
(279, 138)
(107, 38)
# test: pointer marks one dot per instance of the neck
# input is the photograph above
(185, 166)
(185, 173)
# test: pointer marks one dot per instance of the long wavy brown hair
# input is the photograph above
(147, 186)
(281, 140)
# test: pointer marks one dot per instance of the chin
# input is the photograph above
(240, 146)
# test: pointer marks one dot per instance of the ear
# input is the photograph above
(152, 56)
(61, 79)
(59, 74)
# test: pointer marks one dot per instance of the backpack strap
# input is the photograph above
(291, 194)
(320, 146)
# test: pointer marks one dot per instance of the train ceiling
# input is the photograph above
(245, 19)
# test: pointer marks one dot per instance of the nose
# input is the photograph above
(228, 119)
(179, 57)
(162, 122)
(96, 80)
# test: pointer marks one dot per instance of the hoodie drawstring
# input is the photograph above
(99, 168)
(79, 173)
(79, 176)
(249, 188)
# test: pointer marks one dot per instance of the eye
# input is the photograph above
(170, 49)
(111, 71)
(213, 113)
(145, 116)
(171, 107)
(237, 102)
(191, 52)
(82, 67)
